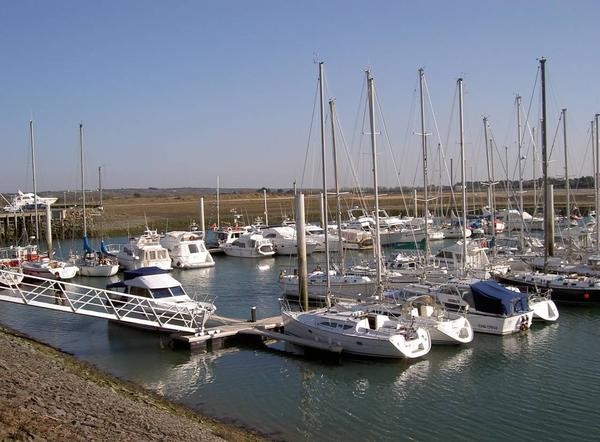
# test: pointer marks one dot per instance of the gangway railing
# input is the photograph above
(90, 301)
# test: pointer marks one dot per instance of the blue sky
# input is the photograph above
(178, 93)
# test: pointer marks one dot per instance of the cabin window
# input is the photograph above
(177, 291)
(161, 293)
(138, 291)
(193, 248)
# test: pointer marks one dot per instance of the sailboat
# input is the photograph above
(357, 331)
(92, 263)
(45, 267)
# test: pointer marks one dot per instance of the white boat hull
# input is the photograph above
(359, 343)
(100, 270)
(350, 288)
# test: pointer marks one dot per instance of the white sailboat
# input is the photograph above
(92, 263)
(355, 331)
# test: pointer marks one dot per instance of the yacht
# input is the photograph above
(284, 240)
(144, 251)
(49, 268)
(490, 307)
(94, 263)
(342, 286)
(187, 250)
(444, 327)
(249, 245)
(168, 295)
(358, 332)
(26, 201)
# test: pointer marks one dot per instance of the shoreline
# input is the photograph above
(47, 394)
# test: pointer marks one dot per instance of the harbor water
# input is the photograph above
(541, 384)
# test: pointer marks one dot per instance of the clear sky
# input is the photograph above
(176, 93)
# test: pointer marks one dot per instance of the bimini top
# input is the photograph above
(491, 297)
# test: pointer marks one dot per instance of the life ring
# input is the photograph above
(484, 242)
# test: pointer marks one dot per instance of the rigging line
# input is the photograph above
(389, 143)
(453, 200)
(353, 184)
(408, 132)
(312, 120)
(526, 125)
(555, 135)
(443, 146)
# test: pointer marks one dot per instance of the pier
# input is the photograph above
(187, 327)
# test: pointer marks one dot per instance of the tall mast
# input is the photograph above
(82, 178)
(218, 208)
(375, 181)
(597, 183)
(100, 184)
(507, 179)
(324, 161)
(425, 183)
(548, 223)
(462, 172)
(567, 184)
(35, 202)
(520, 144)
(491, 204)
(337, 185)
(594, 167)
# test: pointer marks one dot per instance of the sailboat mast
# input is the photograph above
(548, 223)
(462, 173)
(35, 201)
(218, 208)
(338, 202)
(375, 181)
(424, 146)
(520, 144)
(567, 184)
(597, 183)
(82, 179)
(491, 201)
(100, 184)
(324, 162)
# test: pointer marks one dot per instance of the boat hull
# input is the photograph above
(360, 344)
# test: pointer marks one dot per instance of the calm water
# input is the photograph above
(540, 385)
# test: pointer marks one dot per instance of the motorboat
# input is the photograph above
(285, 241)
(489, 307)
(217, 237)
(26, 201)
(249, 245)
(475, 263)
(144, 251)
(317, 234)
(345, 286)
(187, 250)
(167, 294)
(50, 269)
(358, 332)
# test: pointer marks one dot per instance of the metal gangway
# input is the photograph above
(100, 303)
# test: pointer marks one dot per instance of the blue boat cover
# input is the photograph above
(491, 297)
(130, 274)
(86, 245)
(104, 250)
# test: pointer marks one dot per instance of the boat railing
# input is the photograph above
(90, 301)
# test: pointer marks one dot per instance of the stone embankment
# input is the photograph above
(48, 395)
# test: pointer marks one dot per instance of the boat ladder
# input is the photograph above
(100, 303)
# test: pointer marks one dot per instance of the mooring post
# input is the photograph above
(253, 314)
